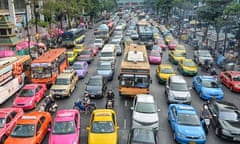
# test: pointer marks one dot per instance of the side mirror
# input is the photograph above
(88, 128)
(132, 108)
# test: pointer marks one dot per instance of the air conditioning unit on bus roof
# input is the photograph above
(135, 56)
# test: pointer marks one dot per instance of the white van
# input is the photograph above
(108, 53)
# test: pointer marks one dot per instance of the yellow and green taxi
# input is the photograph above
(168, 38)
(163, 72)
(180, 48)
(187, 67)
(103, 127)
(72, 57)
(79, 48)
(175, 56)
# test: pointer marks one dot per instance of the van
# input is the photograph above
(108, 53)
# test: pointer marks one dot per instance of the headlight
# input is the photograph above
(202, 137)
(171, 94)
(225, 132)
(180, 134)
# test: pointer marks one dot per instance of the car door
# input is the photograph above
(198, 84)
(42, 128)
(229, 79)
(173, 117)
(85, 67)
(225, 78)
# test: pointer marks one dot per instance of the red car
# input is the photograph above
(29, 96)
(94, 48)
(8, 119)
(231, 79)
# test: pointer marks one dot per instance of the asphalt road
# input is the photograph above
(122, 105)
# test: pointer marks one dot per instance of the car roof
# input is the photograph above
(177, 78)
(66, 115)
(206, 77)
(184, 108)
(103, 114)
(7, 111)
(146, 98)
(31, 117)
(96, 77)
(65, 75)
(30, 86)
(224, 105)
(105, 63)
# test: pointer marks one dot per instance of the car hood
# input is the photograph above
(165, 76)
(93, 88)
(12, 140)
(186, 68)
(104, 72)
(191, 131)
(23, 100)
(59, 87)
(233, 126)
(106, 138)
(62, 139)
(213, 91)
(145, 117)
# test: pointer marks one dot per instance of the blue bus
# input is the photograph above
(73, 37)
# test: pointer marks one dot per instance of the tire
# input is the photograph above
(4, 137)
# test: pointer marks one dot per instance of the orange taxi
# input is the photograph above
(31, 128)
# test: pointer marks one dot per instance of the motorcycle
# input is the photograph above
(206, 68)
(109, 104)
(206, 124)
(52, 109)
(79, 105)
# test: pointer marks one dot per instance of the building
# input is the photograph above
(130, 3)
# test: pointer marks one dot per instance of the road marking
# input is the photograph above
(124, 123)
(125, 103)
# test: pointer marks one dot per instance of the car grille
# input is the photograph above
(180, 98)
(193, 137)
(20, 104)
(58, 91)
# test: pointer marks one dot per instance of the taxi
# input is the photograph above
(8, 119)
(163, 72)
(72, 57)
(31, 128)
(180, 48)
(65, 128)
(175, 56)
(103, 127)
(79, 48)
(187, 67)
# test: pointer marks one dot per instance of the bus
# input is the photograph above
(73, 37)
(46, 68)
(13, 71)
(135, 75)
(145, 33)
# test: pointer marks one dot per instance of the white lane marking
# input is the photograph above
(125, 103)
(124, 123)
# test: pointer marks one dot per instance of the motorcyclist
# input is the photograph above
(86, 101)
(110, 96)
(213, 72)
(49, 102)
(205, 113)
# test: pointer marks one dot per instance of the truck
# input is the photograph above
(105, 30)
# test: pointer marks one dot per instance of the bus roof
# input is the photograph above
(143, 23)
(135, 58)
(49, 56)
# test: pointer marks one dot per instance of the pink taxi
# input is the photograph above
(65, 128)
(29, 96)
(172, 44)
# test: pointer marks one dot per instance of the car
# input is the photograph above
(154, 57)
(145, 112)
(160, 42)
(177, 90)
(185, 124)
(79, 48)
(81, 67)
(167, 36)
(142, 136)
(72, 57)
(157, 49)
(127, 41)
(134, 35)
(172, 44)
(201, 55)
(106, 69)
(86, 55)
(180, 48)
(103, 127)
(156, 35)
(29, 96)
(65, 84)
(163, 72)
(207, 87)
(116, 40)
(8, 119)
(225, 121)
(65, 128)
(94, 48)
(96, 86)
(119, 49)
(31, 128)
(99, 43)
(175, 56)
(187, 67)
(231, 79)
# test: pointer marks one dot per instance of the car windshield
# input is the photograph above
(178, 87)
(94, 82)
(229, 115)
(236, 78)
(142, 107)
(157, 54)
(98, 41)
(167, 70)
(142, 136)
(85, 53)
(104, 67)
(77, 66)
(102, 127)
(204, 54)
(156, 48)
(210, 84)
(2, 122)
(189, 63)
(23, 130)
(64, 127)
(188, 119)
(107, 54)
(62, 81)
(178, 54)
(26, 93)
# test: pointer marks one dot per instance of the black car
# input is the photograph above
(142, 136)
(226, 120)
(96, 86)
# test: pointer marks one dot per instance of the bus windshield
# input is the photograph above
(41, 72)
(140, 81)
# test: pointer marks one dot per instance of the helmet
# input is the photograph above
(205, 107)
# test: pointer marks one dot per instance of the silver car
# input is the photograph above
(177, 90)
(145, 112)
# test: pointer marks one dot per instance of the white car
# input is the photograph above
(99, 43)
(145, 112)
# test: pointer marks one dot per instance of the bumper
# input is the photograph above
(155, 61)
(161, 80)
(209, 97)
(182, 140)
(154, 126)
(230, 137)
(96, 95)
(177, 101)
(188, 73)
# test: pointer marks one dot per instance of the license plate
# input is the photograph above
(93, 96)
(192, 143)
(57, 96)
